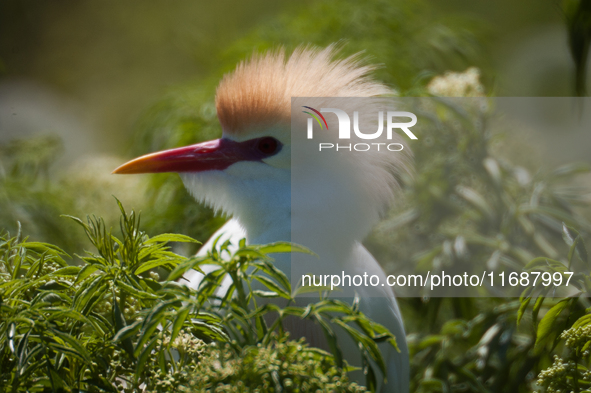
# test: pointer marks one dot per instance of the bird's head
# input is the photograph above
(248, 171)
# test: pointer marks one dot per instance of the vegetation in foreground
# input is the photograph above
(470, 201)
(112, 324)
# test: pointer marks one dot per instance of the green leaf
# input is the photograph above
(36, 267)
(370, 376)
(138, 293)
(44, 247)
(17, 266)
(275, 273)
(150, 285)
(127, 332)
(548, 211)
(476, 200)
(67, 271)
(101, 383)
(67, 351)
(309, 289)
(272, 285)
(145, 266)
(11, 333)
(75, 315)
(538, 304)
(144, 353)
(178, 323)
(248, 252)
(332, 307)
(171, 237)
(368, 344)
(181, 268)
(75, 344)
(331, 338)
(584, 320)
(85, 272)
(151, 323)
(536, 263)
(118, 316)
(95, 298)
(54, 286)
(522, 307)
(578, 247)
(284, 247)
(146, 335)
(85, 292)
(265, 294)
(209, 331)
(434, 339)
(546, 328)
(567, 236)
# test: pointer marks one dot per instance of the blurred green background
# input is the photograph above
(87, 85)
(114, 79)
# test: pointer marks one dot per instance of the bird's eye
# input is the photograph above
(268, 145)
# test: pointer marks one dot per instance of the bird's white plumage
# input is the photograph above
(232, 231)
(379, 304)
(327, 206)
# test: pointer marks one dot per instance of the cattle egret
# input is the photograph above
(330, 209)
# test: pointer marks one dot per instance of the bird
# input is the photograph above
(263, 173)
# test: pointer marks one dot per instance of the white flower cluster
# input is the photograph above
(578, 338)
(457, 84)
(187, 343)
(557, 378)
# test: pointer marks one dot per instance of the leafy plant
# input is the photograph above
(64, 327)
(246, 311)
(281, 366)
(475, 206)
(26, 188)
(565, 327)
(111, 323)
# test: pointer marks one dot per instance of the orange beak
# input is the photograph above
(217, 154)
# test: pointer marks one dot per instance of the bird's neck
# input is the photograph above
(325, 210)
(320, 213)
(266, 221)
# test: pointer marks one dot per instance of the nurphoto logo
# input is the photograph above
(392, 122)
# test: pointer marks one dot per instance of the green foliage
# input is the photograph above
(471, 207)
(111, 323)
(251, 319)
(412, 41)
(470, 202)
(485, 353)
(280, 366)
(70, 327)
(565, 329)
(26, 190)
(35, 189)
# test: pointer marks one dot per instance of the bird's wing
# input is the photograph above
(379, 305)
(381, 308)
(232, 231)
